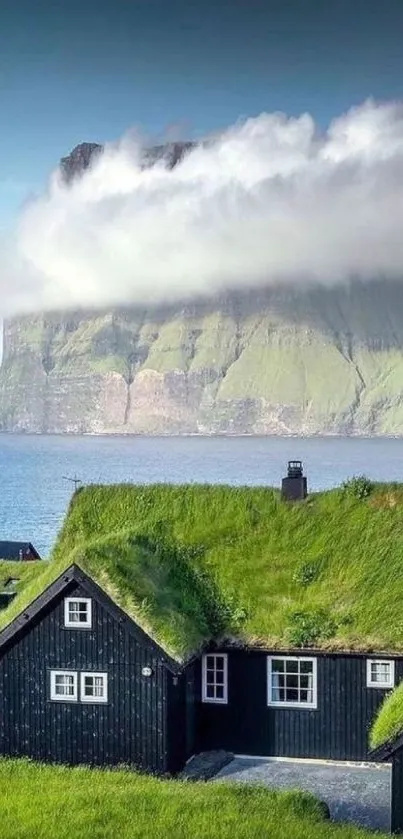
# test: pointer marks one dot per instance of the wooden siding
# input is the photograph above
(130, 728)
(337, 729)
(176, 715)
(397, 793)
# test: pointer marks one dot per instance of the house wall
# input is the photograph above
(337, 729)
(397, 793)
(130, 728)
(176, 726)
(30, 555)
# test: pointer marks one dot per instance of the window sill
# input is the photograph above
(77, 626)
(300, 706)
(63, 699)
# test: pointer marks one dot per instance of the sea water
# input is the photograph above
(36, 471)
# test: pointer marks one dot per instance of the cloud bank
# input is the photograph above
(270, 200)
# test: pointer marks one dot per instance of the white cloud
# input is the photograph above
(269, 200)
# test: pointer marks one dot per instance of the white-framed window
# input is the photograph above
(78, 612)
(380, 673)
(94, 687)
(291, 682)
(215, 677)
(64, 685)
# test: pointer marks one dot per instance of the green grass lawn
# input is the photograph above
(54, 802)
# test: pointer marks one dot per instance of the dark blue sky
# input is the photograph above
(73, 71)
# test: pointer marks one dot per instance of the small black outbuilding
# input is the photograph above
(18, 551)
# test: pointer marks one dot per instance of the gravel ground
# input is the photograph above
(359, 794)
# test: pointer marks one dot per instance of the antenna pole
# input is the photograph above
(76, 481)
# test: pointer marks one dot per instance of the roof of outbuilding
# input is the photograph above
(195, 563)
(12, 550)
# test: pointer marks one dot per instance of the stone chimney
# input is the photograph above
(294, 486)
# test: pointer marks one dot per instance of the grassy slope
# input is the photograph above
(336, 560)
(292, 365)
(95, 804)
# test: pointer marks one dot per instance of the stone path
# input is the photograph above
(359, 794)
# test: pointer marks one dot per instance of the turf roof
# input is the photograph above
(388, 723)
(191, 563)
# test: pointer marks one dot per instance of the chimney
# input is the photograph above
(294, 486)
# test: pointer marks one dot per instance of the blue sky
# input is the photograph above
(73, 71)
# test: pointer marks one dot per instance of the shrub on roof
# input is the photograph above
(310, 627)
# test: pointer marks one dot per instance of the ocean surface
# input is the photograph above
(36, 471)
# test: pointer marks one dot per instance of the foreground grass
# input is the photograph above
(43, 802)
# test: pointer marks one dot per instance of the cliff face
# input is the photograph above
(84, 154)
(279, 362)
(282, 361)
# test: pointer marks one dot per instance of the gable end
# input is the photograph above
(63, 584)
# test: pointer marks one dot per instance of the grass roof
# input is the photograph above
(23, 573)
(193, 562)
(388, 722)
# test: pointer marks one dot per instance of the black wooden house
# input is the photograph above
(87, 676)
(94, 688)
(80, 682)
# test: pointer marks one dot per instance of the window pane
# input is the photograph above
(294, 684)
(99, 687)
(78, 612)
(64, 685)
(88, 685)
(214, 677)
(380, 671)
(291, 695)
